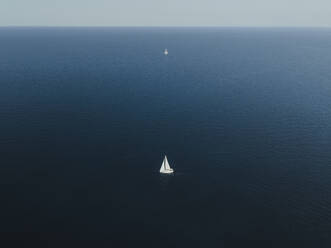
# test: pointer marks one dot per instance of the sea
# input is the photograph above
(88, 114)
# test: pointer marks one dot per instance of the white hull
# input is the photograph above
(167, 171)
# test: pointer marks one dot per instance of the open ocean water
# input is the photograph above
(87, 115)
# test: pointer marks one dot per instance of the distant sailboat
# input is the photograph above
(166, 51)
(165, 167)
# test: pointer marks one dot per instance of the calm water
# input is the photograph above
(244, 116)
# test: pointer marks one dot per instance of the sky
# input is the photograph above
(165, 13)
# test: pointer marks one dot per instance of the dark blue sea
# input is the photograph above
(243, 115)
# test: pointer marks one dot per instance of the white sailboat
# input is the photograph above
(165, 167)
(166, 51)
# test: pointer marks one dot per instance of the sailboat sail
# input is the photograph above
(162, 169)
(165, 167)
(166, 164)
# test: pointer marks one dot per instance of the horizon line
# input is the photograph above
(161, 26)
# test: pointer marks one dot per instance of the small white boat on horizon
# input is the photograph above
(166, 52)
(165, 167)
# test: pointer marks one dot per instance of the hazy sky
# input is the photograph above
(165, 12)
